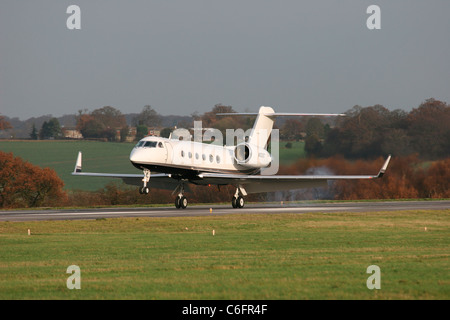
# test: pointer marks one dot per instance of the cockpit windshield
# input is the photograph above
(148, 144)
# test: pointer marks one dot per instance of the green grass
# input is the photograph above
(106, 157)
(290, 155)
(283, 256)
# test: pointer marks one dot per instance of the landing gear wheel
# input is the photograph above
(144, 190)
(240, 202)
(180, 200)
(183, 202)
(234, 202)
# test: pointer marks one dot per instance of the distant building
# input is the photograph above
(154, 132)
(71, 133)
(132, 133)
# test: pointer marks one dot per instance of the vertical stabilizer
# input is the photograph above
(262, 128)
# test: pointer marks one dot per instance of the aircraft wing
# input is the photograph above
(158, 180)
(247, 183)
(261, 183)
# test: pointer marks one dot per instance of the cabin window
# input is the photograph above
(217, 159)
(150, 144)
(203, 157)
(182, 153)
(196, 156)
(211, 158)
(190, 155)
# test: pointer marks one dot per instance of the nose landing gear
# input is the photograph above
(146, 179)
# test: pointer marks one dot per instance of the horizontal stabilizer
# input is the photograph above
(281, 114)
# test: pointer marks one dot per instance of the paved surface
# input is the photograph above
(170, 211)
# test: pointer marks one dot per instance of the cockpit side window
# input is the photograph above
(139, 144)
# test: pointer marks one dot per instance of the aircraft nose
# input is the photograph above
(134, 155)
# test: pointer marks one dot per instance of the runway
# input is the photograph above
(204, 210)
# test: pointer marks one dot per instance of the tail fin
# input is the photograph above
(263, 125)
(262, 128)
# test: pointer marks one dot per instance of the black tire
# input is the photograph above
(183, 202)
(240, 202)
(177, 202)
(144, 190)
(234, 202)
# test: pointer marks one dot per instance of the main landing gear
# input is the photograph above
(238, 200)
(180, 201)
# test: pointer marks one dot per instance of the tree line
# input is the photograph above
(365, 132)
(102, 123)
(97, 124)
(372, 131)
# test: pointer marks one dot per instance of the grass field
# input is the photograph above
(106, 157)
(61, 156)
(282, 256)
(290, 155)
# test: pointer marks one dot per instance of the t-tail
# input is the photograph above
(262, 128)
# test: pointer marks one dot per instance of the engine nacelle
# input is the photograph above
(250, 156)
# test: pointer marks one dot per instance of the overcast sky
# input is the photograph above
(182, 56)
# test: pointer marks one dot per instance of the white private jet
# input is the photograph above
(173, 163)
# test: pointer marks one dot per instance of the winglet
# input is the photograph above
(384, 167)
(78, 163)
